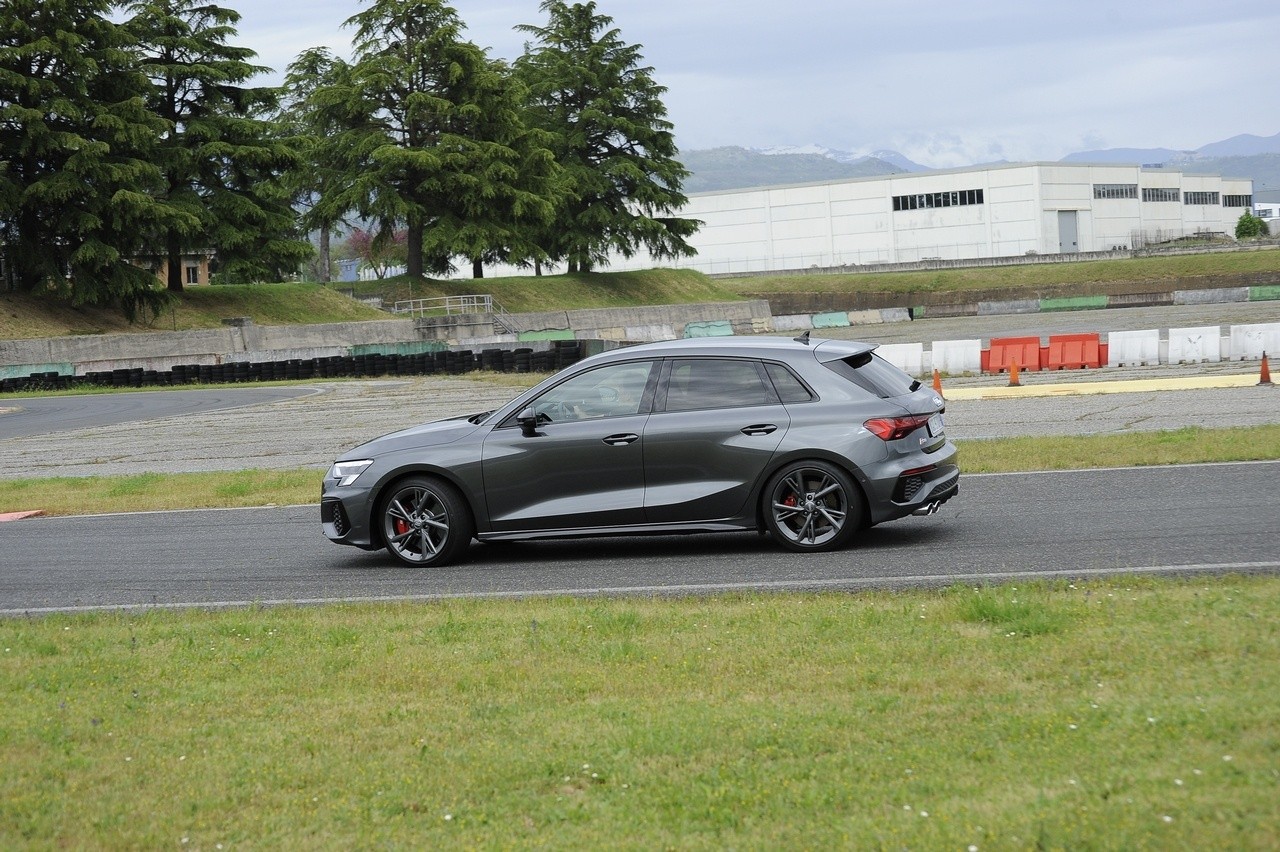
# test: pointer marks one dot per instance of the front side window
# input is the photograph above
(615, 390)
(700, 383)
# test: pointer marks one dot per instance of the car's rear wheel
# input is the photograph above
(812, 506)
(425, 522)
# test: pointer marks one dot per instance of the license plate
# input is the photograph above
(935, 425)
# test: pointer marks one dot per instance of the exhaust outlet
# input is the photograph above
(928, 509)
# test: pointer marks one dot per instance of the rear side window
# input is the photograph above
(716, 383)
(874, 375)
(789, 388)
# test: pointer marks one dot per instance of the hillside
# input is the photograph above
(25, 316)
(732, 167)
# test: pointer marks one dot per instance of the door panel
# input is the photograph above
(571, 474)
(701, 465)
(716, 425)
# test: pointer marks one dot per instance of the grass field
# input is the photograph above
(1120, 714)
(1133, 714)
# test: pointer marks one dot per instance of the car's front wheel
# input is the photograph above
(425, 522)
(812, 506)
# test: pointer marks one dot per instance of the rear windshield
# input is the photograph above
(874, 375)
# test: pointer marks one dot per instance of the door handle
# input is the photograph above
(759, 429)
(621, 439)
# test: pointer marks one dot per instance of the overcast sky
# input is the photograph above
(945, 83)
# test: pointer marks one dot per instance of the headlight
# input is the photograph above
(346, 472)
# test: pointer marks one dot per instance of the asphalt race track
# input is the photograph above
(1190, 519)
(1181, 520)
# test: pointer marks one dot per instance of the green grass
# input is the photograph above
(524, 294)
(1083, 278)
(1037, 715)
(26, 316)
(153, 491)
(1189, 445)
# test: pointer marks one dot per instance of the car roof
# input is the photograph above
(763, 346)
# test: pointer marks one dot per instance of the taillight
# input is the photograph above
(893, 428)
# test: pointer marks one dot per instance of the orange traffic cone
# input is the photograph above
(937, 381)
(1013, 375)
(1265, 379)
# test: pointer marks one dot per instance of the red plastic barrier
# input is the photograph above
(1005, 350)
(1074, 351)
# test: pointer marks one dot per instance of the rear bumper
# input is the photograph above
(919, 493)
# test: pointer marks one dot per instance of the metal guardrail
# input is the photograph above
(479, 303)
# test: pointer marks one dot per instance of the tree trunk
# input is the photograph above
(413, 260)
(537, 269)
(325, 276)
(173, 252)
(477, 269)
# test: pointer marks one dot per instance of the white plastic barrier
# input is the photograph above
(905, 356)
(792, 322)
(1248, 342)
(1195, 345)
(1133, 348)
(956, 357)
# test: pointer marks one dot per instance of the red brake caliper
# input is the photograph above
(401, 526)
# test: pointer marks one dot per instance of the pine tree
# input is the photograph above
(605, 113)
(220, 157)
(317, 176)
(433, 141)
(75, 156)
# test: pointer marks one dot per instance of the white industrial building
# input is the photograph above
(986, 212)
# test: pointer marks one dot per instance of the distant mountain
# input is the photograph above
(891, 157)
(1244, 145)
(732, 167)
(1244, 156)
(1141, 156)
(1264, 169)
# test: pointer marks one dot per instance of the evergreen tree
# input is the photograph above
(317, 176)
(1251, 227)
(433, 140)
(220, 157)
(605, 112)
(75, 147)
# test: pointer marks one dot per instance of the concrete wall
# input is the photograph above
(242, 340)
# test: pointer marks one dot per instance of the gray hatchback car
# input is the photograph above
(810, 440)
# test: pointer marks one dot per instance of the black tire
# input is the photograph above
(425, 522)
(812, 506)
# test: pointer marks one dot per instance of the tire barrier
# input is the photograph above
(448, 363)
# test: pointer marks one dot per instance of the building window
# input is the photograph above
(1115, 190)
(193, 275)
(1160, 194)
(929, 200)
(1200, 198)
(1237, 201)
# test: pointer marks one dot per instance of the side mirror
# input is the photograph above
(528, 423)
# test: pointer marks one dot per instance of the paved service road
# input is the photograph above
(1203, 519)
